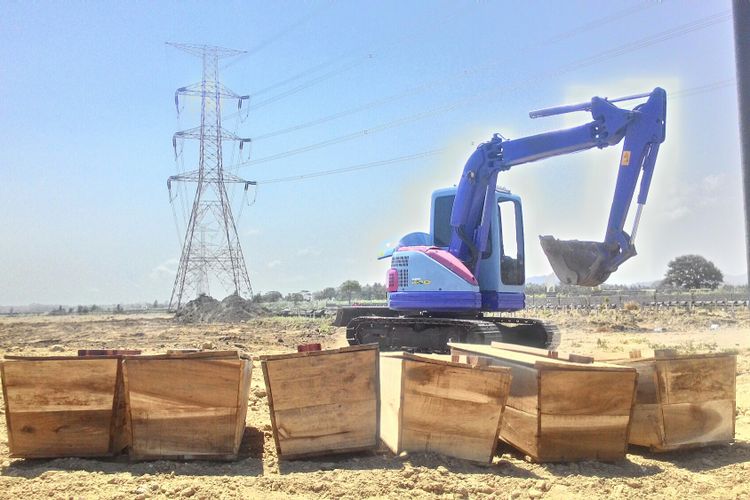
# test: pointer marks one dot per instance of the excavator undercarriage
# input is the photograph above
(430, 334)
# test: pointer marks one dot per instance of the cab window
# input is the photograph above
(511, 243)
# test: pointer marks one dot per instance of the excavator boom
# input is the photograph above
(576, 262)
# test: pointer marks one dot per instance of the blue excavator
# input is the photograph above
(441, 284)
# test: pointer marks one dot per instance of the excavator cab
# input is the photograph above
(502, 271)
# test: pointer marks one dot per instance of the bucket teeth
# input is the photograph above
(583, 263)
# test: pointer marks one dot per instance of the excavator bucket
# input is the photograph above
(583, 263)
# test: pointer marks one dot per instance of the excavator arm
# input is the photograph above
(584, 263)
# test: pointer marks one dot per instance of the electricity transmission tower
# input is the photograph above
(211, 247)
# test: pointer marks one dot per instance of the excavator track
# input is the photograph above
(431, 335)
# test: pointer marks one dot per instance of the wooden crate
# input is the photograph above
(683, 401)
(187, 405)
(63, 406)
(430, 404)
(561, 410)
(323, 402)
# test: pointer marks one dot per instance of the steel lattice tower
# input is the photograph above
(211, 247)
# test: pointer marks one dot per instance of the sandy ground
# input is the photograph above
(717, 472)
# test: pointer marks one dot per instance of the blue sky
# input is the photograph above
(87, 116)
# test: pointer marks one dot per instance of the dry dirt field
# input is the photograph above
(718, 472)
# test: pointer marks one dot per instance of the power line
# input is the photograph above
(279, 34)
(308, 83)
(407, 38)
(399, 159)
(729, 82)
(575, 65)
(352, 168)
(466, 73)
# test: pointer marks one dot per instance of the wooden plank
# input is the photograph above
(692, 380)
(460, 383)
(524, 386)
(193, 354)
(327, 352)
(59, 384)
(8, 419)
(586, 392)
(323, 401)
(200, 383)
(59, 407)
(271, 408)
(545, 353)
(646, 426)
(391, 390)
(311, 381)
(120, 431)
(698, 424)
(448, 426)
(327, 427)
(62, 433)
(108, 352)
(532, 359)
(185, 406)
(583, 437)
(647, 392)
(520, 429)
(242, 401)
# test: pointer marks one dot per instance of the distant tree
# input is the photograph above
(376, 291)
(155, 304)
(272, 296)
(348, 288)
(693, 271)
(118, 309)
(295, 297)
(327, 293)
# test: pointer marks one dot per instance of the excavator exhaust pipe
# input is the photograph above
(583, 263)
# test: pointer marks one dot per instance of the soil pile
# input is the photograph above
(206, 309)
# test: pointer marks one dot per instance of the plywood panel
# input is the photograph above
(520, 429)
(647, 392)
(186, 405)
(449, 408)
(563, 410)
(586, 392)
(323, 401)
(693, 380)
(524, 386)
(64, 433)
(242, 401)
(328, 428)
(683, 400)
(59, 407)
(694, 424)
(565, 437)
(646, 426)
(315, 380)
(390, 401)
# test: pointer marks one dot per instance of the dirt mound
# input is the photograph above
(206, 309)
